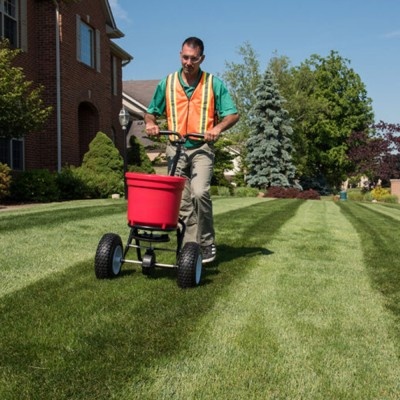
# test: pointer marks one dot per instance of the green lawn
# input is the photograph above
(303, 303)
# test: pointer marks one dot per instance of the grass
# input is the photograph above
(302, 304)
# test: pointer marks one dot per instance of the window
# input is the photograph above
(12, 153)
(88, 44)
(8, 21)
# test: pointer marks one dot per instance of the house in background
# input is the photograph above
(136, 97)
(69, 48)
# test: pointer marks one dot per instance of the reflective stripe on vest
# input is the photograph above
(194, 115)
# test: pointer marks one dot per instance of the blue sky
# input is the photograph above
(367, 32)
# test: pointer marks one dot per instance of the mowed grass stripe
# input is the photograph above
(380, 234)
(390, 210)
(44, 239)
(301, 322)
(72, 336)
(37, 244)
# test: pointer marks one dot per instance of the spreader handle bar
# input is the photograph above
(178, 143)
(182, 139)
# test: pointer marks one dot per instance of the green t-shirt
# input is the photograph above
(223, 102)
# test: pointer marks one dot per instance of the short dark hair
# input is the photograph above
(194, 42)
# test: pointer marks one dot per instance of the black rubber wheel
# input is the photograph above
(190, 265)
(107, 262)
(148, 267)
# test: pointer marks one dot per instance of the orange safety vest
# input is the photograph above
(194, 115)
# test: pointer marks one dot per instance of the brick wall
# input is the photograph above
(87, 104)
(395, 187)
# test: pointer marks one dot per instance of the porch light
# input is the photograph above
(123, 118)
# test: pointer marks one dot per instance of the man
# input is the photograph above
(194, 102)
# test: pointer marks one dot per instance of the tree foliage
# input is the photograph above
(22, 109)
(328, 101)
(269, 146)
(242, 80)
(375, 153)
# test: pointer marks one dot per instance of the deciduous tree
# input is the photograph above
(375, 152)
(22, 109)
(327, 101)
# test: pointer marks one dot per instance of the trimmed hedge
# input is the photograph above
(37, 186)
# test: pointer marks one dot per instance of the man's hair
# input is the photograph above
(194, 42)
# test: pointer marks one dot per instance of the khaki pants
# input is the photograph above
(196, 205)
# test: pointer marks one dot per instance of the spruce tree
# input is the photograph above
(269, 145)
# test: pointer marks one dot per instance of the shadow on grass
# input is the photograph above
(225, 255)
(73, 336)
(228, 253)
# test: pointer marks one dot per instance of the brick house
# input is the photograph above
(68, 47)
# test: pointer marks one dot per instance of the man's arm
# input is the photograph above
(226, 123)
(152, 127)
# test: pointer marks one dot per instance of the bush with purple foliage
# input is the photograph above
(292, 193)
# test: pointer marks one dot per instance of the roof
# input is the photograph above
(138, 94)
(112, 30)
(136, 97)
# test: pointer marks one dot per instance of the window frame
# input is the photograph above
(88, 44)
(9, 13)
(11, 146)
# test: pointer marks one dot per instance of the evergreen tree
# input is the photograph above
(137, 158)
(102, 169)
(269, 145)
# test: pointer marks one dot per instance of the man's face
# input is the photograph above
(191, 60)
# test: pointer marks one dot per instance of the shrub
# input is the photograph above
(368, 196)
(38, 186)
(379, 192)
(355, 195)
(282, 193)
(214, 190)
(223, 191)
(390, 198)
(309, 194)
(102, 168)
(5, 180)
(292, 193)
(246, 192)
(70, 185)
(137, 158)
(100, 185)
